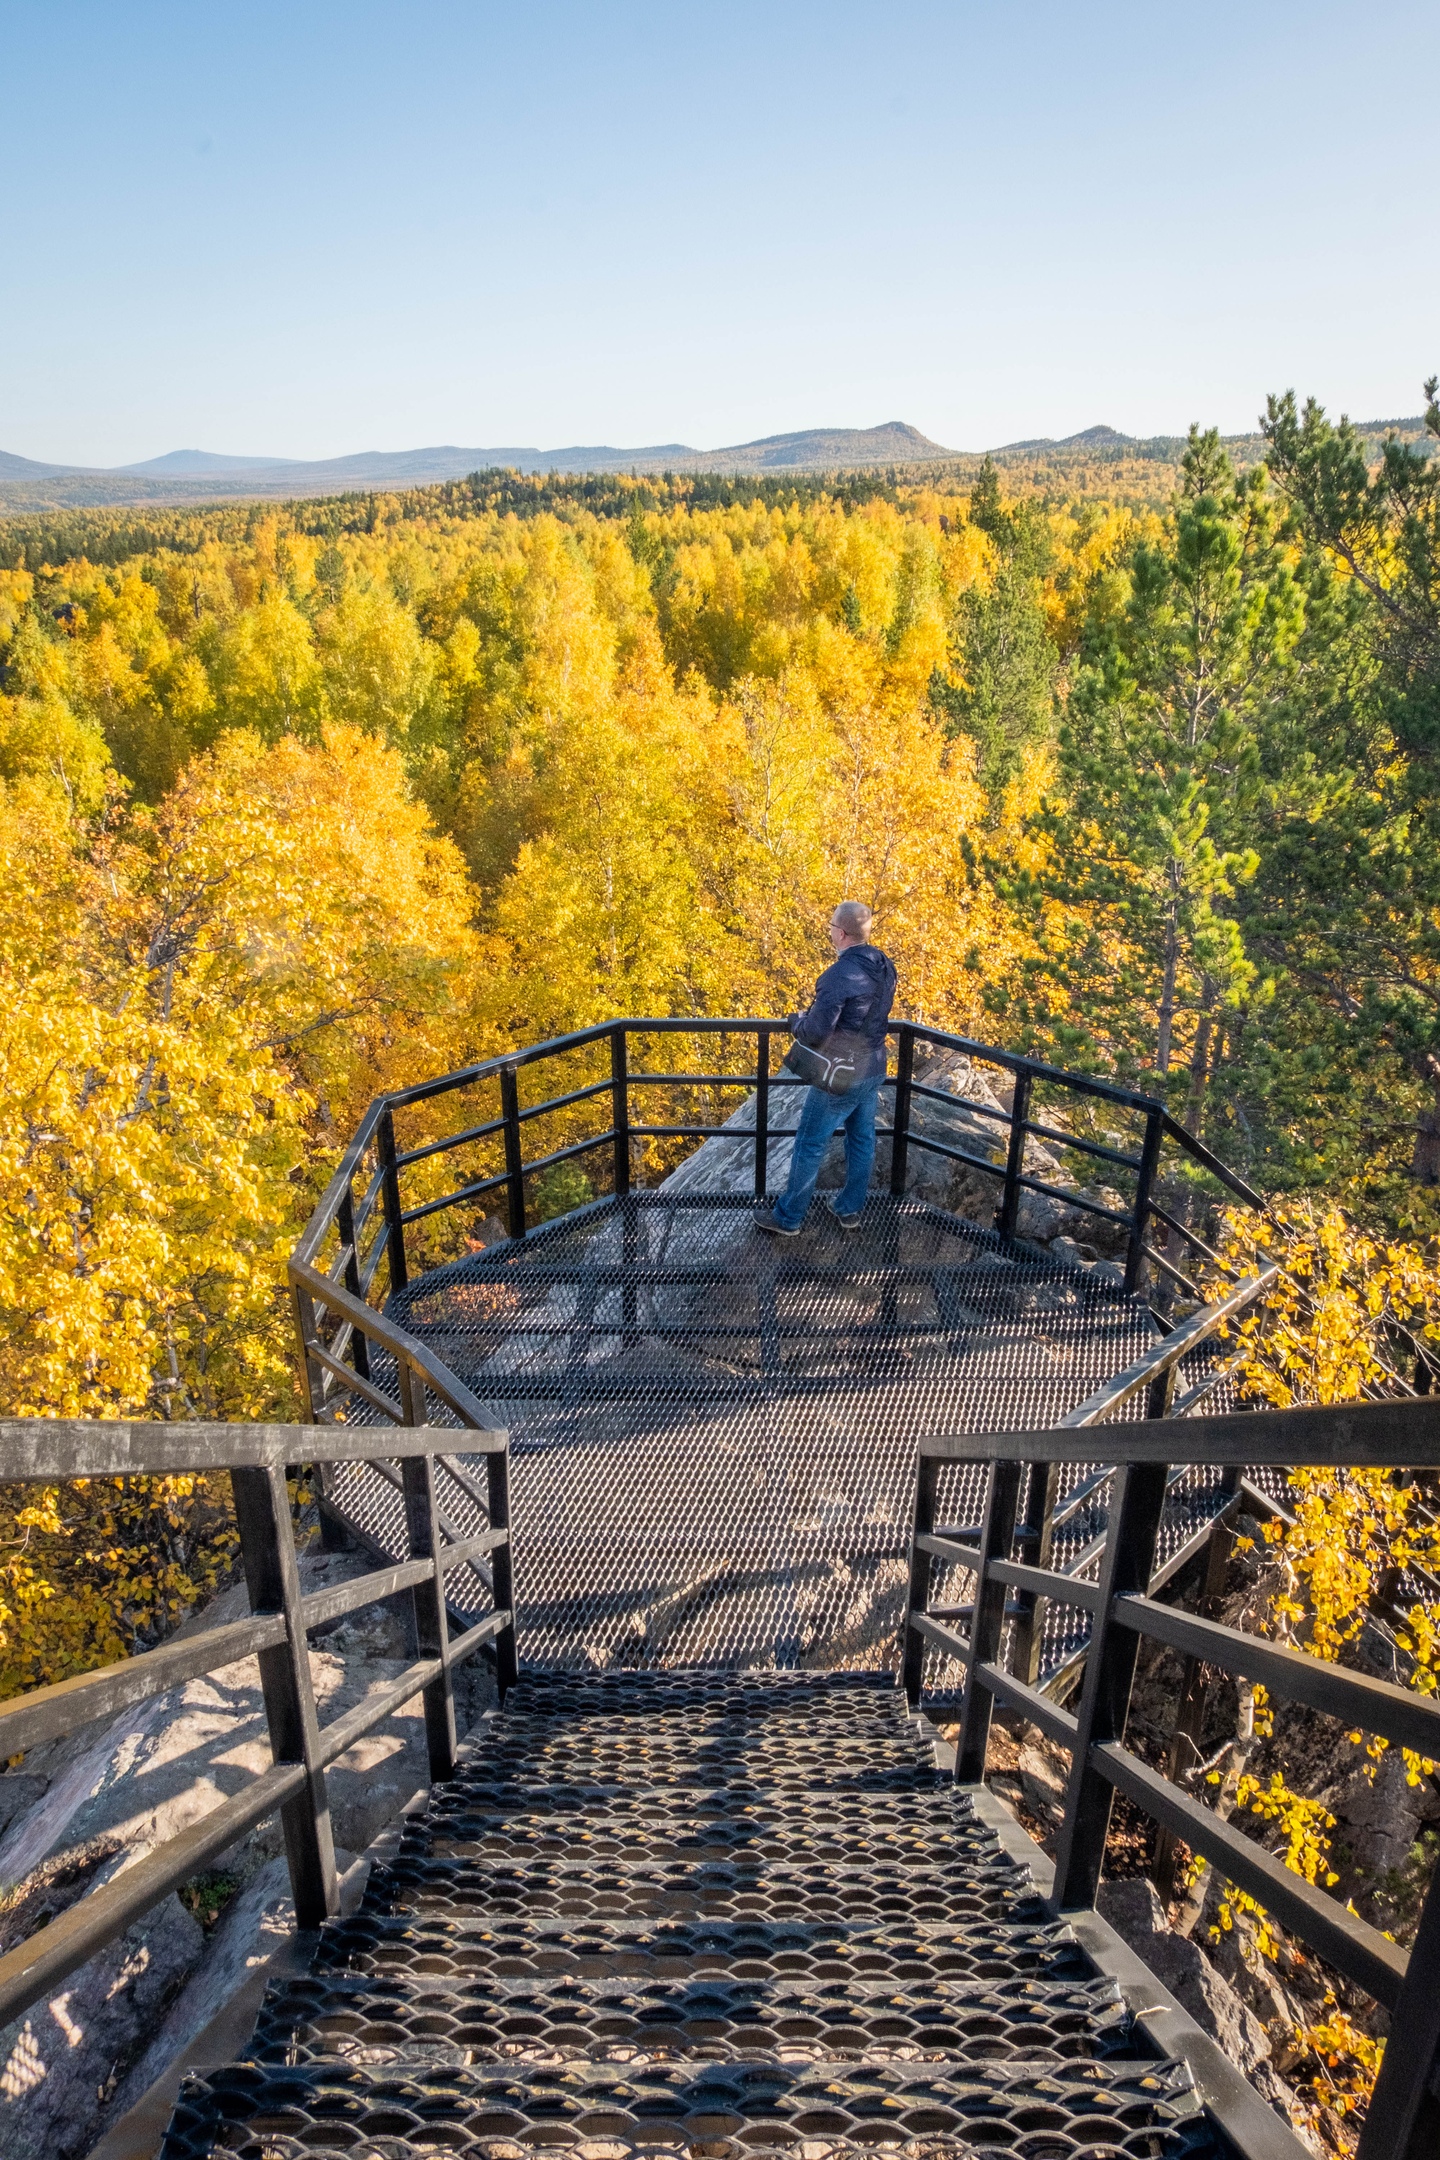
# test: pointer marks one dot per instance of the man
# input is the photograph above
(853, 997)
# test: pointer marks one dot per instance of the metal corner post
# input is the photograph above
(620, 1108)
(1035, 1542)
(1402, 2121)
(345, 1219)
(394, 1214)
(1009, 1214)
(900, 1138)
(1144, 1180)
(514, 1160)
(432, 1634)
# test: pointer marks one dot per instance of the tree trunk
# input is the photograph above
(1167, 991)
(1425, 1161)
(1200, 1061)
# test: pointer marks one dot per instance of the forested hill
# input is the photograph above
(199, 475)
(1098, 461)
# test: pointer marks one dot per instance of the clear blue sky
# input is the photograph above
(314, 228)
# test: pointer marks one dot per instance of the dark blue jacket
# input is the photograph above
(853, 996)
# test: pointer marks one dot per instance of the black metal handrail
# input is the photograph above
(364, 1209)
(277, 1632)
(1403, 2119)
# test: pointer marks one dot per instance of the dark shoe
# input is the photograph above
(768, 1221)
(847, 1222)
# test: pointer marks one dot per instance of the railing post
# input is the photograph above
(272, 1580)
(345, 1223)
(390, 1192)
(312, 1372)
(502, 1568)
(514, 1161)
(762, 1112)
(1402, 2121)
(1160, 1393)
(1035, 1546)
(620, 1109)
(1015, 1160)
(900, 1138)
(927, 1484)
(1126, 1568)
(432, 1634)
(1144, 1180)
(987, 1624)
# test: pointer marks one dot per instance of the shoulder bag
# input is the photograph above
(835, 1066)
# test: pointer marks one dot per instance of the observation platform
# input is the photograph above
(714, 1432)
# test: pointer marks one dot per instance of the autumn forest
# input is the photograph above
(303, 804)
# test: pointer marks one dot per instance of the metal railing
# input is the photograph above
(1403, 2119)
(360, 1225)
(277, 1632)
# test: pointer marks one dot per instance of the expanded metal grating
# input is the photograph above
(715, 2018)
(437, 2022)
(1064, 2111)
(713, 1434)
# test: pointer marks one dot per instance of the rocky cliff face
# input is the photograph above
(974, 1117)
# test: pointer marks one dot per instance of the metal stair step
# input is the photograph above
(637, 1693)
(649, 1762)
(444, 1948)
(780, 1809)
(697, 1916)
(374, 2021)
(718, 1889)
(872, 1835)
(745, 2105)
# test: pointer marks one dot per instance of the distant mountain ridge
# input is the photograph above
(181, 476)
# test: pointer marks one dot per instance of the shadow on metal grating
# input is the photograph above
(714, 1432)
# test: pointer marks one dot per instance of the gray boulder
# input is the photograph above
(1135, 1912)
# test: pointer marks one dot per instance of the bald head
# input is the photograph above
(850, 923)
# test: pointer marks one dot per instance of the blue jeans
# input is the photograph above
(820, 1119)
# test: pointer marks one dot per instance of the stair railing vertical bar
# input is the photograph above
(1035, 1544)
(1015, 1157)
(502, 1568)
(514, 1159)
(1126, 1568)
(620, 1107)
(272, 1578)
(360, 1349)
(904, 1082)
(927, 1485)
(313, 1375)
(432, 1632)
(762, 1111)
(1402, 2121)
(987, 1621)
(1135, 1254)
(390, 1191)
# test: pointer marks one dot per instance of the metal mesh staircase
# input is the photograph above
(700, 1914)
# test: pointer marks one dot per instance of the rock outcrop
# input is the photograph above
(1134, 1911)
(85, 1808)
